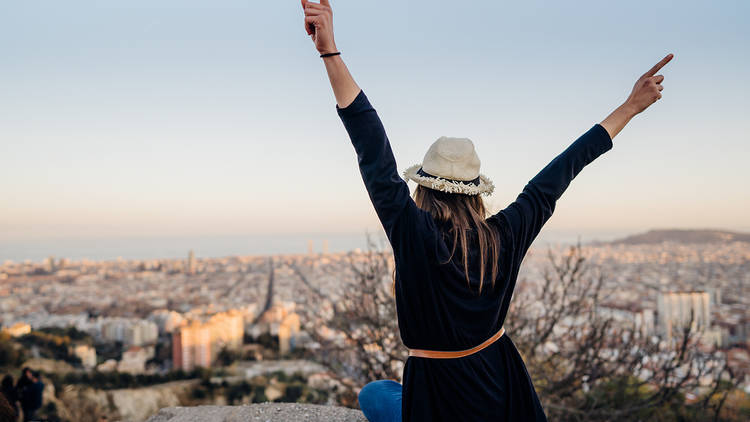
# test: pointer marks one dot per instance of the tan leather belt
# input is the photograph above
(438, 354)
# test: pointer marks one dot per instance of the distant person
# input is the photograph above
(24, 381)
(456, 267)
(30, 395)
(8, 400)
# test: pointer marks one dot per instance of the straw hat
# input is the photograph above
(451, 165)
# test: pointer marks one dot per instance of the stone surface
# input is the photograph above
(265, 412)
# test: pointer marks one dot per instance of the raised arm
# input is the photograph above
(319, 26)
(388, 191)
(535, 205)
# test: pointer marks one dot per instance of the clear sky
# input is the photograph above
(215, 117)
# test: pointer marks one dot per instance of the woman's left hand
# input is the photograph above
(647, 89)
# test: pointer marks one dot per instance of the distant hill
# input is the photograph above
(683, 236)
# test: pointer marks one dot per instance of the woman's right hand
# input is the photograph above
(319, 25)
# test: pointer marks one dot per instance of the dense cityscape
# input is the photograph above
(155, 317)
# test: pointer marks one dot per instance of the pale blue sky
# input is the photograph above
(212, 118)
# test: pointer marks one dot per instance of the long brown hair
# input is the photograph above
(464, 213)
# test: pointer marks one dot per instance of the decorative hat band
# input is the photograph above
(474, 182)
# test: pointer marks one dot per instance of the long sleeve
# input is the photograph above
(536, 203)
(388, 191)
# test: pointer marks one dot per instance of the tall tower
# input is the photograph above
(191, 262)
(678, 309)
(288, 332)
(49, 264)
(191, 346)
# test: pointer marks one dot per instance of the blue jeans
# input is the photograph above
(380, 401)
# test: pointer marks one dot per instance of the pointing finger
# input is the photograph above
(659, 65)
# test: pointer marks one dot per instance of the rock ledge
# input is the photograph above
(265, 412)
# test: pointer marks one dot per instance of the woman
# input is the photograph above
(455, 268)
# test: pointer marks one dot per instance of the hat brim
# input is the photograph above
(485, 186)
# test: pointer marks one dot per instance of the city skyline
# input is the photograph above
(184, 119)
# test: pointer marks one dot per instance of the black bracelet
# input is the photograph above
(331, 54)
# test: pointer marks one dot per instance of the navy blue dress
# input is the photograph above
(436, 310)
